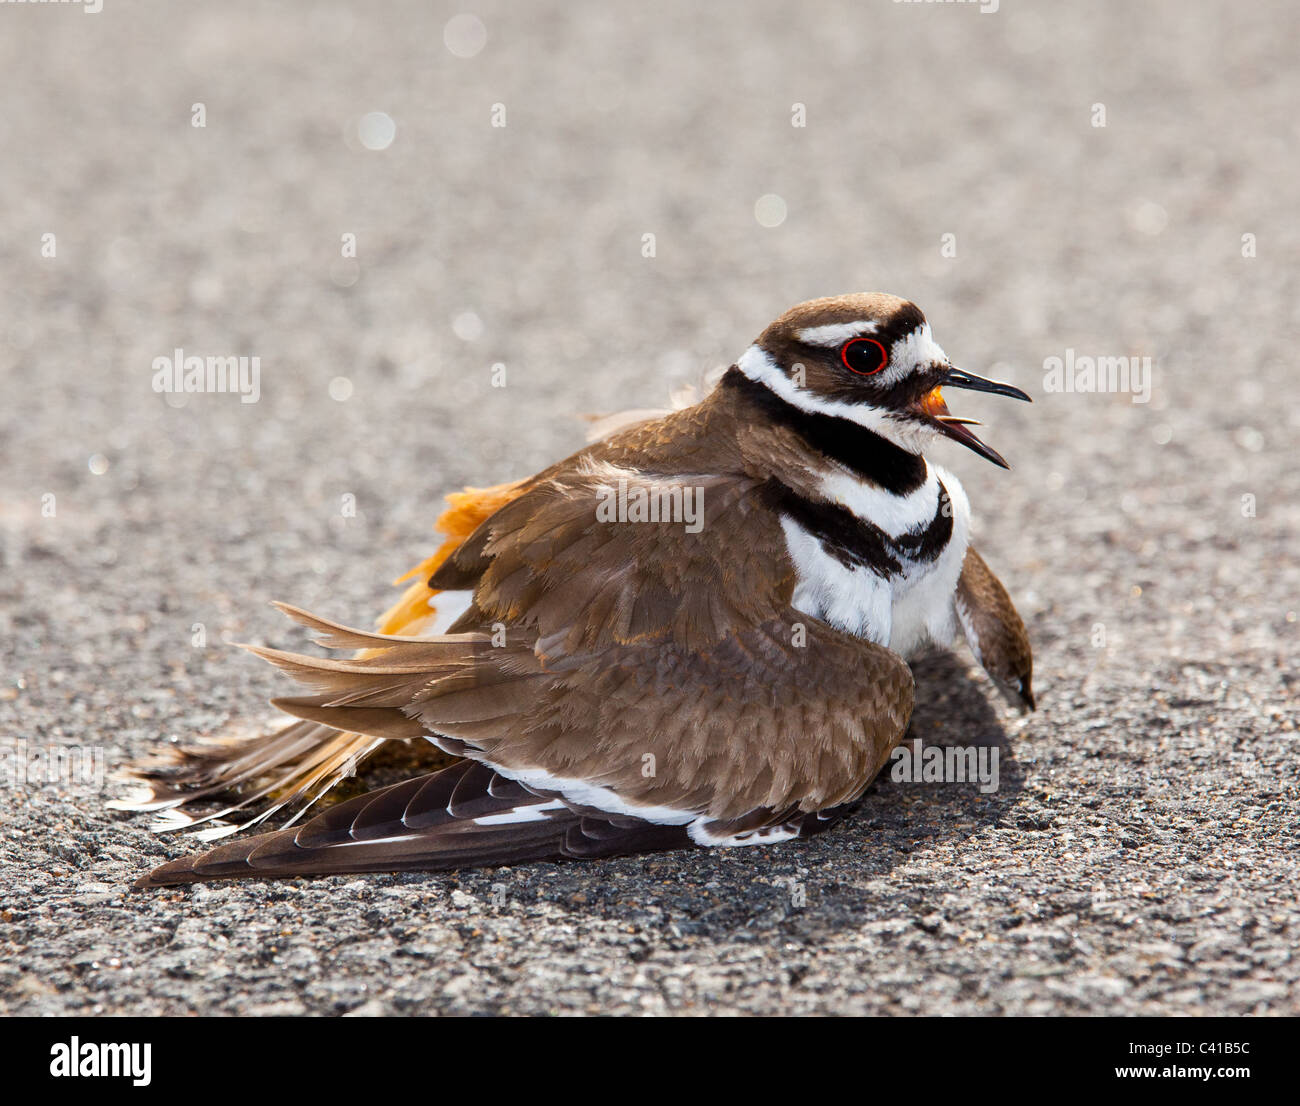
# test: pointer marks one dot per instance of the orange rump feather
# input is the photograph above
(468, 511)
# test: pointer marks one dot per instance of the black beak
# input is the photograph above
(960, 378)
(955, 428)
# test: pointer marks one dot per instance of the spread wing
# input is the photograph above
(648, 678)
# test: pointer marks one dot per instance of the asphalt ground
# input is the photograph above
(1140, 853)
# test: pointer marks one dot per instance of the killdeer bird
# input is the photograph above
(608, 678)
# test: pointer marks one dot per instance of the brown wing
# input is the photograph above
(994, 630)
(550, 561)
(601, 755)
(634, 670)
(751, 722)
(665, 666)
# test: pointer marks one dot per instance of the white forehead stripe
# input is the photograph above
(834, 333)
(917, 348)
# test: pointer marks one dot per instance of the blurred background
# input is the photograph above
(385, 201)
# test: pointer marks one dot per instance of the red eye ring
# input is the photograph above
(858, 343)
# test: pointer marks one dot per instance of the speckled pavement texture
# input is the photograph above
(1140, 855)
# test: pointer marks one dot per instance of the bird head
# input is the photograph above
(869, 358)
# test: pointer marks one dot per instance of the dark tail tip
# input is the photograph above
(171, 874)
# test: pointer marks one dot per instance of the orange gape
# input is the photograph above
(469, 509)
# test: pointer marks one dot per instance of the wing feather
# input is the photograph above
(648, 673)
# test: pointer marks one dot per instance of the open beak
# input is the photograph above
(933, 406)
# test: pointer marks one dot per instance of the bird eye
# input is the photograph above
(864, 356)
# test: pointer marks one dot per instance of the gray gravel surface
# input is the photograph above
(1140, 855)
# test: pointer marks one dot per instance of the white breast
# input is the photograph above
(923, 612)
(850, 598)
(906, 612)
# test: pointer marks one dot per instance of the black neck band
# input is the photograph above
(846, 442)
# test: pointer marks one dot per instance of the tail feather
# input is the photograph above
(352, 713)
(293, 767)
(335, 635)
(381, 722)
